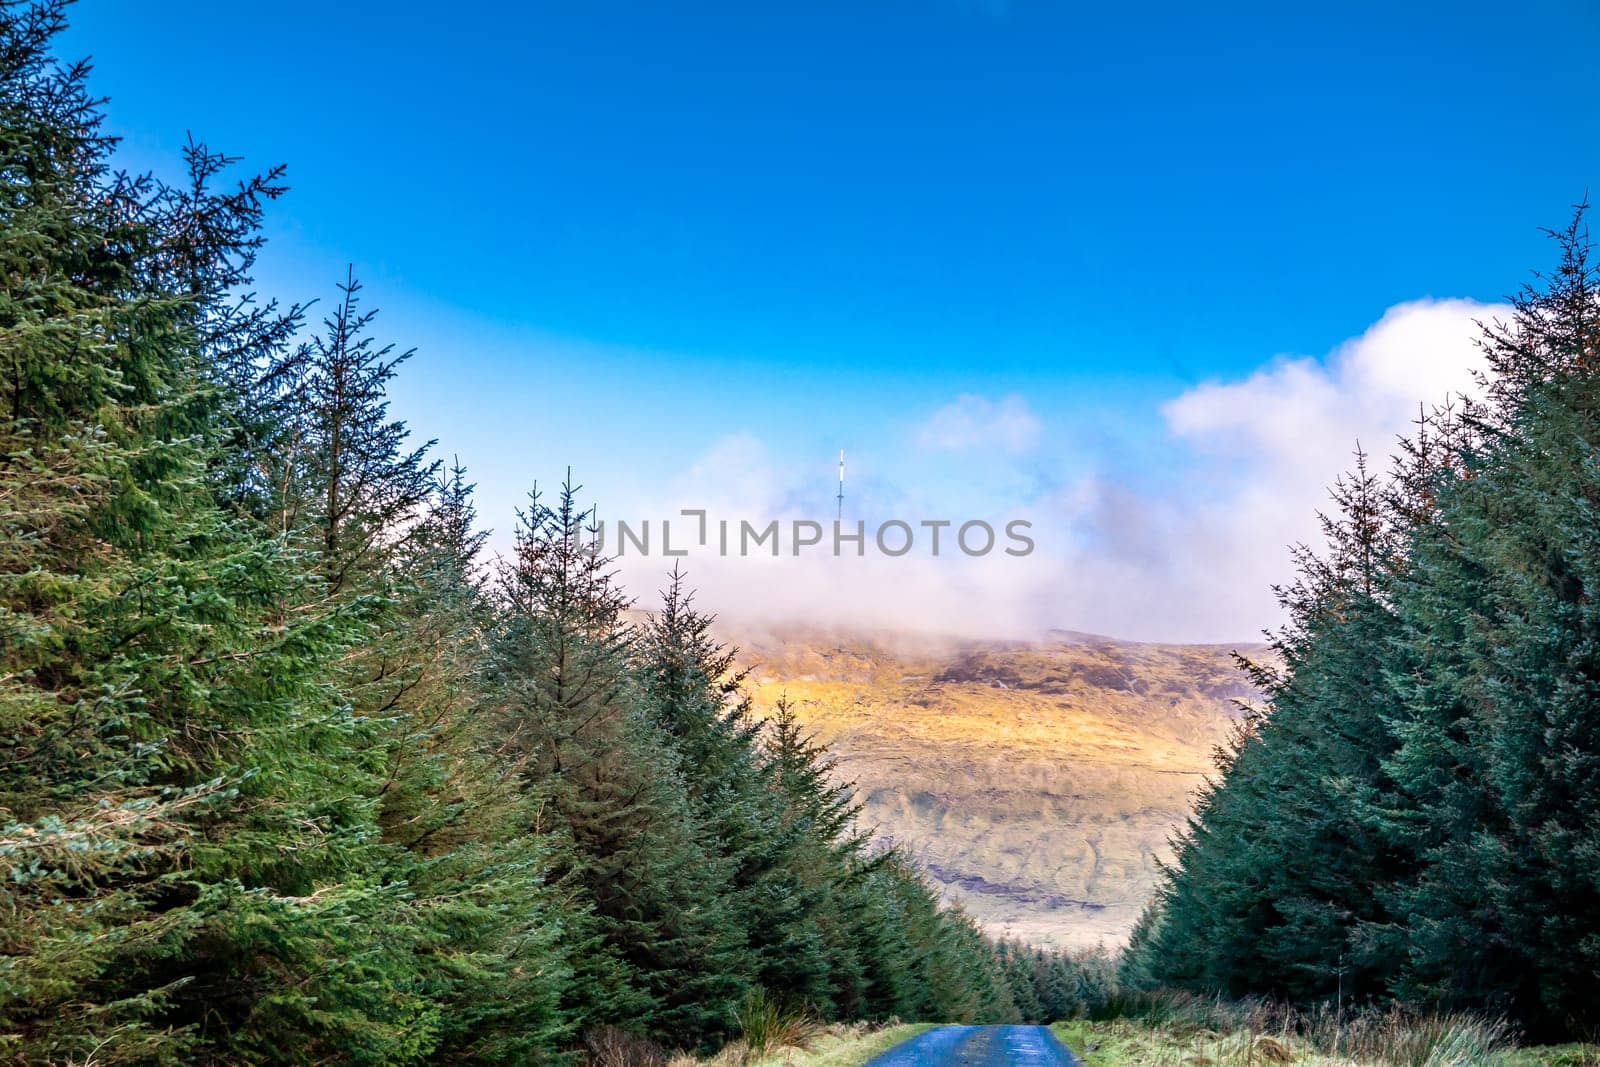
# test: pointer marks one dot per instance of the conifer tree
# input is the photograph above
(284, 780)
(1415, 815)
(823, 916)
(1018, 969)
(187, 873)
(1499, 742)
(397, 547)
(351, 480)
(664, 955)
(495, 961)
(695, 685)
(1276, 874)
(209, 238)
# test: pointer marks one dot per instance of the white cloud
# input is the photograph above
(1195, 560)
(1259, 454)
(1294, 413)
(973, 422)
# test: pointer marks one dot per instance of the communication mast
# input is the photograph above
(840, 498)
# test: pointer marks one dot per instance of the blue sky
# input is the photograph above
(644, 237)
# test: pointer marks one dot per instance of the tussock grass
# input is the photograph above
(1127, 1043)
(766, 1025)
(1179, 1028)
(1407, 1040)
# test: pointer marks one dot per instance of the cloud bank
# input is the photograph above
(1248, 462)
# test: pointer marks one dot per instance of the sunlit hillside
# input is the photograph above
(1037, 782)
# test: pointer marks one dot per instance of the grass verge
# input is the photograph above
(1124, 1043)
(1130, 1043)
(834, 1045)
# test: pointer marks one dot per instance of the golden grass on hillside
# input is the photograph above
(1038, 782)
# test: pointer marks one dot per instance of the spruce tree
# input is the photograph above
(823, 915)
(1499, 742)
(494, 960)
(695, 686)
(664, 955)
(397, 547)
(209, 239)
(285, 780)
(350, 479)
(187, 866)
(1414, 816)
(1275, 879)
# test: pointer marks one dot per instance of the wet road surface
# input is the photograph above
(979, 1046)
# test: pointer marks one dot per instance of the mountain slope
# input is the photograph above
(1038, 782)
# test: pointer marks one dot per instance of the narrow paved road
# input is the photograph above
(979, 1046)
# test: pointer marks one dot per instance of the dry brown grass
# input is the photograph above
(612, 1046)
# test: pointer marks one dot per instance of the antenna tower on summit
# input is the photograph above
(840, 498)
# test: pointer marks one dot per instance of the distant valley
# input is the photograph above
(1037, 782)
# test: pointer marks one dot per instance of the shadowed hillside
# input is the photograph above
(1037, 781)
